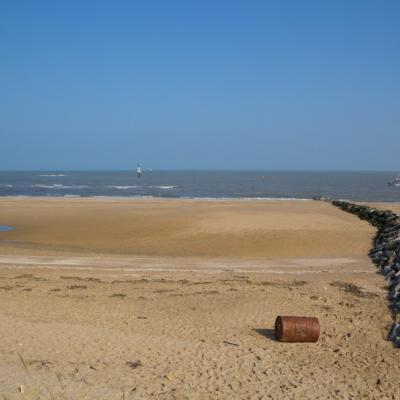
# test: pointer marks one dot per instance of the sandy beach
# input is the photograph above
(200, 200)
(176, 299)
(181, 228)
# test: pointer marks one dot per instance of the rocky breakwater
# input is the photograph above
(385, 253)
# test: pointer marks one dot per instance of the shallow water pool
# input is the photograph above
(4, 228)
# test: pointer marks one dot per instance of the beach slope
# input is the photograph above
(127, 299)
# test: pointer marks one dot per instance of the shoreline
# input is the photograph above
(171, 198)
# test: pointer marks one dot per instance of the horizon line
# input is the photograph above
(198, 170)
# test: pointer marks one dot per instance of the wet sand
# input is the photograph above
(181, 228)
(95, 318)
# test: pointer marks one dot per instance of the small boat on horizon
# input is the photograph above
(395, 182)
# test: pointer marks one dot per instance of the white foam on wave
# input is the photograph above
(52, 175)
(7, 186)
(163, 187)
(58, 186)
(122, 187)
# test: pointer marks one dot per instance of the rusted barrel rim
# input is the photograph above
(278, 327)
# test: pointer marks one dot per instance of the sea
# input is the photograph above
(283, 185)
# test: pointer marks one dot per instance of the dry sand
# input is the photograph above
(386, 206)
(86, 312)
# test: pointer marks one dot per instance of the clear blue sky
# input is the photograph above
(200, 84)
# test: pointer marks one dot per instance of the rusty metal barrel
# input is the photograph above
(296, 329)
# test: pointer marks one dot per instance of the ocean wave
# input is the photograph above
(7, 186)
(163, 187)
(122, 187)
(124, 197)
(58, 186)
(274, 198)
(249, 199)
(242, 198)
(52, 175)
